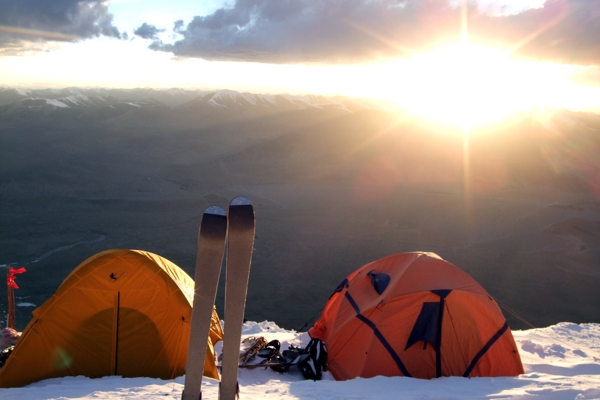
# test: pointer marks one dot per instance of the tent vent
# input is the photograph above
(379, 280)
(427, 325)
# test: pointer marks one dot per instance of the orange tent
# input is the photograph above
(415, 315)
(120, 312)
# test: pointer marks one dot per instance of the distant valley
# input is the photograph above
(337, 182)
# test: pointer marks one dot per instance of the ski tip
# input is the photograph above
(215, 210)
(240, 201)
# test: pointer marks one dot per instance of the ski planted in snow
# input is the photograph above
(211, 247)
(240, 243)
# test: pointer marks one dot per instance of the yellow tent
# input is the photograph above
(120, 312)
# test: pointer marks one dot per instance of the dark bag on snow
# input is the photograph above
(314, 361)
(4, 354)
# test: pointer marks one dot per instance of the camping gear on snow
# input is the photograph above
(416, 315)
(316, 360)
(256, 346)
(268, 351)
(8, 338)
(311, 360)
(4, 354)
(120, 312)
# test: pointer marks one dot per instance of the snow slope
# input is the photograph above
(561, 362)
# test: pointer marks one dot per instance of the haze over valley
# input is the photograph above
(337, 182)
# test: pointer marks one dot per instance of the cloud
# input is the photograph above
(148, 31)
(564, 31)
(355, 31)
(283, 31)
(24, 24)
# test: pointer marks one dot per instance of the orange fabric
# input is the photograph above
(120, 312)
(470, 320)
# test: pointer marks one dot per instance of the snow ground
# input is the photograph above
(561, 362)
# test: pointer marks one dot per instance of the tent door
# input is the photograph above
(428, 327)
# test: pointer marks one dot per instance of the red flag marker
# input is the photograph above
(11, 286)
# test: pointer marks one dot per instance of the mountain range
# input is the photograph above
(175, 98)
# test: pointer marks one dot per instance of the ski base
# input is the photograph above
(240, 244)
(211, 247)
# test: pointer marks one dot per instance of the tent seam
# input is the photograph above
(379, 336)
(485, 348)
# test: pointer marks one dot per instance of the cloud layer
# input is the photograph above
(322, 31)
(26, 22)
(332, 31)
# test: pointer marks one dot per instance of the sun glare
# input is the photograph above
(468, 85)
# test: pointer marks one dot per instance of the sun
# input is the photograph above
(468, 85)
(462, 85)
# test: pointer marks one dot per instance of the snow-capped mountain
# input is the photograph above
(234, 100)
(68, 98)
(179, 98)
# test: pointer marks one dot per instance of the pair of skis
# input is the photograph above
(236, 228)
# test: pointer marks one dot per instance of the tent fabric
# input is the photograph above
(431, 320)
(120, 312)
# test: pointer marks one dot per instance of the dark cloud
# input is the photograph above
(25, 22)
(308, 30)
(284, 31)
(147, 31)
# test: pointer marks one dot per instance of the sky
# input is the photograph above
(439, 56)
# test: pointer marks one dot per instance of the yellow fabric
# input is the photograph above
(120, 312)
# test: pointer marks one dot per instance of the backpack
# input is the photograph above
(314, 360)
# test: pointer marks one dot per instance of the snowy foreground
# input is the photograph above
(561, 362)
